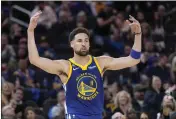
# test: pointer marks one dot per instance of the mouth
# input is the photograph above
(83, 49)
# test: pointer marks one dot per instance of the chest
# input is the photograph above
(88, 78)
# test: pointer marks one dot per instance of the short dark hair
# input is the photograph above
(78, 30)
(27, 109)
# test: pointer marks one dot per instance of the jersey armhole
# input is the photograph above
(98, 66)
(69, 73)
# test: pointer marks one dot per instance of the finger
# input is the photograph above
(132, 18)
(37, 14)
(36, 17)
(128, 22)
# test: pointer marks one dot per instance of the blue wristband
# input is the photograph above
(135, 54)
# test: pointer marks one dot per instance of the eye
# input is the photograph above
(79, 40)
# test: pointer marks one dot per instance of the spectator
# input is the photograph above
(113, 89)
(162, 69)
(15, 33)
(118, 115)
(104, 20)
(131, 114)
(153, 97)
(60, 30)
(146, 32)
(6, 93)
(18, 97)
(149, 56)
(138, 100)
(8, 111)
(96, 7)
(173, 68)
(5, 22)
(48, 16)
(22, 51)
(8, 53)
(122, 102)
(144, 115)
(30, 114)
(140, 17)
(25, 74)
(108, 103)
(76, 7)
(168, 106)
(120, 22)
(117, 42)
(45, 50)
(58, 110)
(65, 6)
(6, 73)
(82, 21)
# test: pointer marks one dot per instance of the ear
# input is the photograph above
(72, 44)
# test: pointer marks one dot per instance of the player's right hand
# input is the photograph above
(33, 21)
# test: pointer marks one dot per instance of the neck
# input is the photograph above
(81, 59)
(123, 105)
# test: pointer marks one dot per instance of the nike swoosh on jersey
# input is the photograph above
(75, 69)
(91, 67)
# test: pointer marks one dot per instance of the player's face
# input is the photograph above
(81, 44)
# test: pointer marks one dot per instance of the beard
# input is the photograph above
(82, 53)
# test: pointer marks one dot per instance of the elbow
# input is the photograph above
(135, 61)
(32, 60)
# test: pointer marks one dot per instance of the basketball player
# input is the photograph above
(82, 75)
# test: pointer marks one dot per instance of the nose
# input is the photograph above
(83, 43)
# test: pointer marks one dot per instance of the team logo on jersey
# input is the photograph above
(87, 86)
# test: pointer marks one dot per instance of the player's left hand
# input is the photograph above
(135, 25)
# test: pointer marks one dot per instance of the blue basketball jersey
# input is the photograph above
(84, 89)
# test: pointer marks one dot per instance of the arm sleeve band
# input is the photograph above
(135, 54)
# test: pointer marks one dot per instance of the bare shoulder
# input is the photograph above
(64, 64)
(103, 59)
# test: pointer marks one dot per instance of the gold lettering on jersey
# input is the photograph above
(87, 86)
(86, 74)
(88, 98)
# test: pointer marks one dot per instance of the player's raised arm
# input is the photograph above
(110, 63)
(50, 66)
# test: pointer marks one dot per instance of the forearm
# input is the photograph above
(32, 49)
(137, 43)
(136, 49)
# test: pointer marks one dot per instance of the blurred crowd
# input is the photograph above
(145, 91)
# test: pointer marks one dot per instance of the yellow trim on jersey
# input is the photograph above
(69, 72)
(98, 66)
(81, 66)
